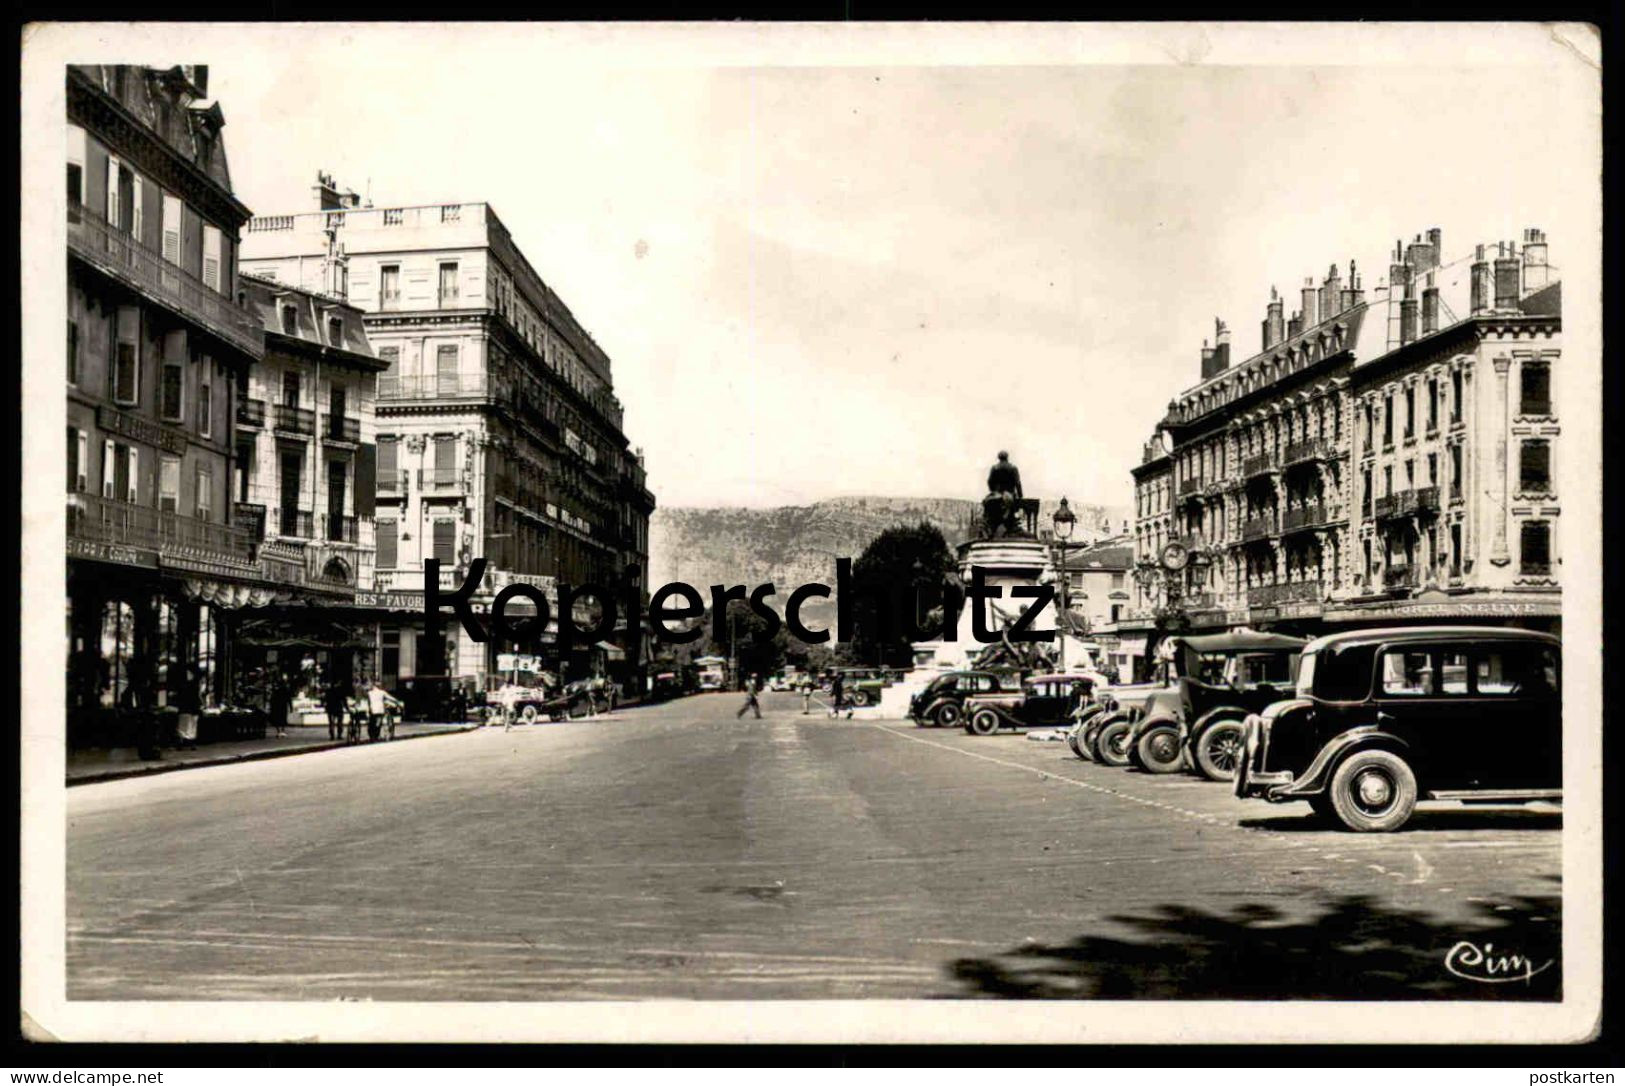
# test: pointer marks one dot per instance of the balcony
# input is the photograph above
(118, 254)
(295, 420)
(1307, 452)
(1304, 517)
(1200, 601)
(1272, 595)
(337, 528)
(411, 580)
(295, 524)
(341, 429)
(433, 386)
(392, 482)
(1398, 578)
(1257, 528)
(1254, 466)
(100, 523)
(251, 413)
(1407, 503)
(1427, 499)
(1190, 486)
(439, 479)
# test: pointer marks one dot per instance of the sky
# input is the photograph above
(818, 278)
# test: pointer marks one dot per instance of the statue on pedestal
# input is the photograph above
(1002, 506)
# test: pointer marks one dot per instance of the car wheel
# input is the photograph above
(1218, 751)
(984, 722)
(948, 715)
(1373, 791)
(1158, 749)
(860, 698)
(528, 714)
(1112, 743)
(1073, 742)
(1321, 804)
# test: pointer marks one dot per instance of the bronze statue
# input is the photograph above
(1002, 506)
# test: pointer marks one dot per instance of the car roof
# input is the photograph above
(1242, 641)
(1388, 634)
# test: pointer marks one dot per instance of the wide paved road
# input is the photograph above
(673, 851)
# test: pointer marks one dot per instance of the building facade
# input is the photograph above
(1376, 461)
(157, 339)
(303, 479)
(499, 432)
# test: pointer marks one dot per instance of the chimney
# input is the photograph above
(1436, 243)
(1331, 295)
(1274, 326)
(1207, 361)
(1352, 294)
(1481, 284)
(1536, 272)
(1419, 257)
(1506, 276)
(1430, 307)
(1407, 314)
(1311, 302)
(1294, 325)
(1221, 347)
(327, 193)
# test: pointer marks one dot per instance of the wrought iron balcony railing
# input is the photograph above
(99, 243)
(341, 428)
(1270, 595)
(337, 528)
(295, 523)
(1190, 486)
(392, 482)
(433, 386)
(251, 412)
(439, 478)
(1308, 451)
(1262, 464)
(101, 520)
(1304, 517)
(295, 420)
(1258, 528)
(1398, 577)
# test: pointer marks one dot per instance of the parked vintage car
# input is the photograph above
(1102, 735)
(1044, 701)
(1222, 678)
(942, 702)
(534, 703)
(1386, 718)
(862, 685)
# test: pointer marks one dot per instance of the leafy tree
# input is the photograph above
(896, 582)
(756, 653)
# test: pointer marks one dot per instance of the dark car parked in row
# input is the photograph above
(1384, 718)
(1044, 701)
(942, 702)
(1223, 677)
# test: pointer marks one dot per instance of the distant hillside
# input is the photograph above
(796, 544)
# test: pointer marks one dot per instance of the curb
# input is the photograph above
(152, 769)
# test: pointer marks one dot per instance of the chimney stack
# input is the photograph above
(1506, 276)
(1407, 314)
(1536, 272)
(1311, 303)
(1352, 294)
(1294, 325)
(1331, 294)
(1481, 283)
(1422, 255)
(1207, 361)
(1221, 347)
(1430, 307)
(1274, 326)
(327, 193)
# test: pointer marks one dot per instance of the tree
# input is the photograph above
(898, 579)
(754, 652)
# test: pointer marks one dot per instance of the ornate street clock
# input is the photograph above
(1175, 556)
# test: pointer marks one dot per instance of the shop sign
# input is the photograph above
(1487, 608)
(137, 428)
(391, 601)
(111, 552)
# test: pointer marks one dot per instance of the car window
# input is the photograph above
(1453, 672)
(1407, 673)
(1306, 675)
(1523, 670)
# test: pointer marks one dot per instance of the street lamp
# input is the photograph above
(1065, 521)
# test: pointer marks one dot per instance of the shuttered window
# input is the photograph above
(169, 393)
(205, 492)
(1535, 467)
(1535, 548)
(445, 542)
(109, 468)
(445, 358)
(112, 190)
(172, 229)
(205, 404)
(126, 357)
(132, 474)
(388, 461)
(73, 352)
(211, 257)
(387, 551)
(169, 484)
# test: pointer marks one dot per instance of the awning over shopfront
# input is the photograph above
(611, 652)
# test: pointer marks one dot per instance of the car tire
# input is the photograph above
(1075, 744)
(1219, 750)
(1321, 804)
(1373, 791)
(529, 714)
(983, 722)
(1111, 745)
(1158, 749)
(860, 698)
(948, 715)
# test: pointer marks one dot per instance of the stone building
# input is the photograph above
(157, 338)
(1306, 480)
(500, 435)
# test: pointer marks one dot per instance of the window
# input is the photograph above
(1535, 381)
(1388, 481)
(205, 492)
(391, 355)
(1388, 419)
(1365, 490)
(290, 321)
(126, 357)
(131, 474)
(110, 459)
(169, 483)
(1455, 396)
(1407, 673)
(1453, 673)
(448, 285)
(1455, 471)
(1370, 426)
(172, 229)
(1535, 548)
(244, 469)
(1410, 411)
(77, 467)
(212, 277)
(1535, 467)
(112, 191)
(388, 462)
(389, 286)
(290, 389)
(1433, 469)
(169, 393)
(445, 542)
(335, 332)
(1455, 550)
(76, 190)
(1410, 475)
(205, 404)
(387, 550)
(1519, 670)
(135, 207)
(73, 352)
(445, 364)
(1433, 404)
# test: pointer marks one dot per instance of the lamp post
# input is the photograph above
(1065, 521)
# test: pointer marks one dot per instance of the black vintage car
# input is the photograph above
(1223, 677)
(1044, 701)
(1385, 718)
(942, 702)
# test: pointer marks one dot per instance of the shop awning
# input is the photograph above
(610, 651)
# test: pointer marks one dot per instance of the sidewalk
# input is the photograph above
(91, 766)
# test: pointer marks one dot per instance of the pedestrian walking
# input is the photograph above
(334, 703)
(358, 712)
(753, 690)
(837, 694)
(806, 695)
(378, 704)
(281, 703)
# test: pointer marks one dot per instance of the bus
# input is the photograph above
(713, 672)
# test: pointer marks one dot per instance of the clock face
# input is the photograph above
(1175, 556)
